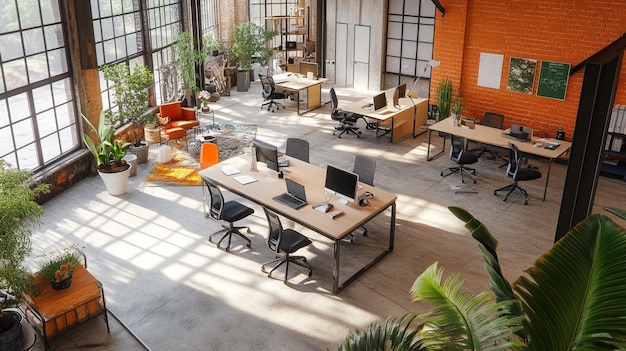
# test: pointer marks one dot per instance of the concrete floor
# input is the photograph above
(176, 291)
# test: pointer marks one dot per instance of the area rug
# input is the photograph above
(232, 140)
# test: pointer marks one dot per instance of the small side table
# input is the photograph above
(52, 312)
(201, 113)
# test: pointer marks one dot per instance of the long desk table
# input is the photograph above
(267, 185)
(495, 137)
(297, 83)
(405, 120)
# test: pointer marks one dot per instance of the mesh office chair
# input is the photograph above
(461, 157)
(228, 211)
(269, 93)
(518, 173)
(298, 148)
(347, 121)
(284, 242)
(494, 120)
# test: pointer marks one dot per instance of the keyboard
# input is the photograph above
(283, 163)
(290, 201)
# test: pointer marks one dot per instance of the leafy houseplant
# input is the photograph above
(571, 299)
(210, 45)
(58, 267)
(457, 106)
(187, 57)
(19, 214)
(250, 46)
(444, 98)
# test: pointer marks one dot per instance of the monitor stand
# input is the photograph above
(342, 201)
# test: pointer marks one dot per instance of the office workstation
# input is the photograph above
(404, 118)
(264, 184)
(548, 149)
(307, 87)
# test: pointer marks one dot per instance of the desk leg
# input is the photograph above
(336, 267)
(545, 189)
(428, 158)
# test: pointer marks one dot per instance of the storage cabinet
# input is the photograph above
(290, 44)
(614, 160)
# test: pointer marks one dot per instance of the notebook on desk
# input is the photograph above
(295, 197)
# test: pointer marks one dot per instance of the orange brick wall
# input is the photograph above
(566, 31)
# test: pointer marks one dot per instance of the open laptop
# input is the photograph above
(295, 197)
(380, 102)
(519, 132)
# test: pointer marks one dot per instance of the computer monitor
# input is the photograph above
(398, 93)
(341, 183)
(401, 90)
(266, 153)
(380, 101)
(305, 67)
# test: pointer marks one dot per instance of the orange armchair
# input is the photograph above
(176, 120)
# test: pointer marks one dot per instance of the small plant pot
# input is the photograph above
(63, 284)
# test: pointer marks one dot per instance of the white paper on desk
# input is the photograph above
(245, 179)
(230, 170)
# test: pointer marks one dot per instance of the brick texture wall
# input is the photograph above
(566, 31)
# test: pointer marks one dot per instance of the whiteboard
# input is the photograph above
(490, 70)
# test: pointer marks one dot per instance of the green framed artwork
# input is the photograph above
(521, 75)
(553, 78)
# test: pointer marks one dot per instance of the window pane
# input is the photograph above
(428, 9)
(393, 64)
(43, 98)
(105, 7)
(409, 49)
(2, 89)
(15, 74)
(62, 91)
(27, 157)
(11, 46)
(394, 30)
(46, 123)
(97, 31)
(54, 36)
(69, 139)
(65, 114)
(23, 132)
(9, 21)
(4, 114)
(109, 51)
(116, 7)
(58, 62)
(33, 41)
(50, 11)
(6, 140)
(395, 6)
(410, 32)
(425, 51)
(50, 147)
(107, 28)
(118, 25)
(131, 43)
(37, 67)
(29, 13)
(393, 47)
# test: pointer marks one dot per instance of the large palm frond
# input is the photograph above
(460, 320)
(392, 335)
(574, 295)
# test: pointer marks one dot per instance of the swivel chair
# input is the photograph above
(493, 120)
(518, 173)
(347, 120)
(284, 242)
(298, 148)
(365, 167)
(461, 157)
(228, 211)
(269, 93)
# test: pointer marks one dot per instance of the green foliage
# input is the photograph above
(107, 151)
(394, 334)
(130, 92)
(210, 44)
(444, 98)
(187, 57)
(457, 106)
(250, 45)
(60, 264)
(19, 213)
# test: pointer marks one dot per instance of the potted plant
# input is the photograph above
(204, 97)
(444, 98)
(58, 267)
(187, 57)
(210, 45)
(456, 108)
(109, 155)
(20, 213)
(249, 46)
(571, 299)
(130, 93)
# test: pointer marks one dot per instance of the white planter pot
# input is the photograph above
(116, 183)
(132, 159)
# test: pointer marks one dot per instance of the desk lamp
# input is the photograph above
(431, 63)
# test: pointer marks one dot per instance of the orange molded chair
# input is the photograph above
(209, 155)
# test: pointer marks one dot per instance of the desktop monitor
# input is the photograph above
(380, 101)
(305, 67)
(401, 90)
(398, 93)
(341, 183)
(266, 153)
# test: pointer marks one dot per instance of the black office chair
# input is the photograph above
(298, 148)
(269, 93)
(229, 211)
(518, 173)
(284, 242)
(347, 120)
(461, 157)
(365, 167)
(494, 120)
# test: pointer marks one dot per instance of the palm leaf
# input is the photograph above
(460, 320)
(574, 295)
(617, 211)
(392, 335)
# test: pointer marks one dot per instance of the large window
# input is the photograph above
(164, 22)
(410, 37)
(260, 9)
(37, 113)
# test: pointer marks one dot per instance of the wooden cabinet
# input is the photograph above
(290, 44)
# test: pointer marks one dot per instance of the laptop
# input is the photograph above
(519, 132)
(295, 197)
(380, 102)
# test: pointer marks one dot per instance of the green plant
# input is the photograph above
(130, 93)
(107, 151)
(210, 44)
(571, 298)
(457, 106)
(59, 265)
(187, 57)
(250, 45)
(444, 98)
(19, 213)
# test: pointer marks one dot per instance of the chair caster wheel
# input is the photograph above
(227, 249)
(310, 274)
(441, 174)
(249, 245)
(495, 193)
(304, 259)
(474, 182)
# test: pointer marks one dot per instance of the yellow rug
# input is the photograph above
(181, 170)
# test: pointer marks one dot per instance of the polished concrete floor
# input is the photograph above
(176, 291)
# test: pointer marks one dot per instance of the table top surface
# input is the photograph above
(390, 111)
(495, 137)
(296, 81)
(268, 185)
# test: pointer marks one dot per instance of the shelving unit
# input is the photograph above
(614, 158)
(290, 43)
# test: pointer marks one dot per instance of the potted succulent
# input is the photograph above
(187, 57)
(571, 299)
(109, 155)
(249, 46)
(130, 93)
(58, 267)
(20, 213)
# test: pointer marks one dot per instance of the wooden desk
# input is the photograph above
(52, 312)
(493, 136)
(312, 177)
(411, 115)
(297, 84)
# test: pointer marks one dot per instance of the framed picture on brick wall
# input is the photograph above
(521, 75)
(553, 78)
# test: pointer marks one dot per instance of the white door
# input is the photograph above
(361, 57)
(341, 54)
